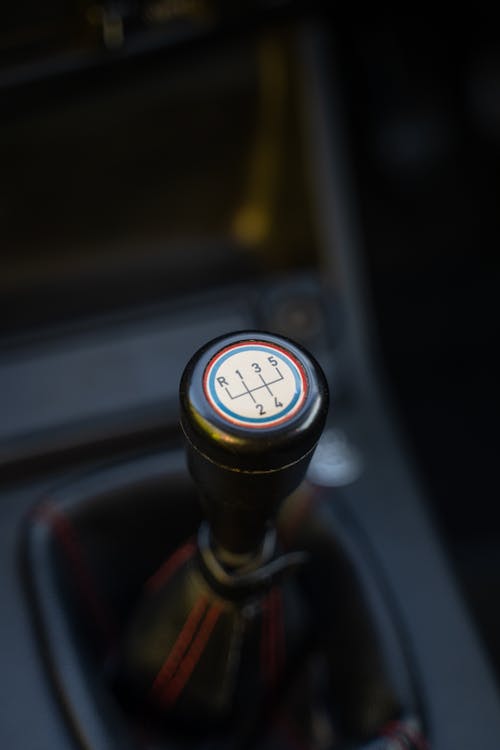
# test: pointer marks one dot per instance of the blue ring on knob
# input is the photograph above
(287, 358)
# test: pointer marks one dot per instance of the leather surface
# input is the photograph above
(93, 544)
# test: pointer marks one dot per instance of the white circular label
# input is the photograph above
(255, 384)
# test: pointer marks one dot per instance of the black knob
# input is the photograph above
(253, 406)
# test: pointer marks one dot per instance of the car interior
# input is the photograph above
(248, 377)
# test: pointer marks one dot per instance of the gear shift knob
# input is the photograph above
(253, 406)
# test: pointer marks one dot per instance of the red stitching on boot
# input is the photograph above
(65, 533)
(170, 566)
(186, 667)
(181, 645)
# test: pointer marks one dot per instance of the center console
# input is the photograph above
(357, 634)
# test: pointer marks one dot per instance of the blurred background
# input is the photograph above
(153, 150)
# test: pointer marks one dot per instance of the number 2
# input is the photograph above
(260, 408)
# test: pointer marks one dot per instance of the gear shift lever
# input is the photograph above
(253, 406)
(252, 409)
